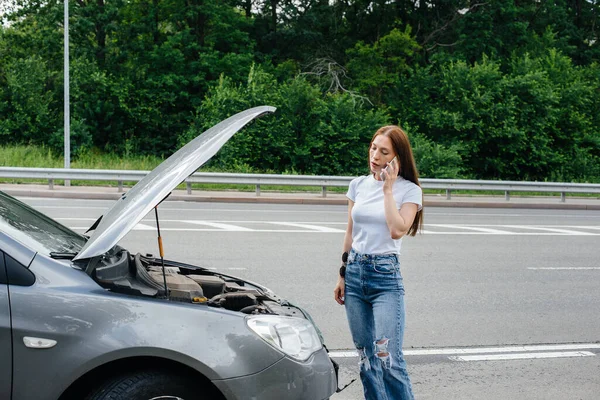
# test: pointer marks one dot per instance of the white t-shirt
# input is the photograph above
(370, 234)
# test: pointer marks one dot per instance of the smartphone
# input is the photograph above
(387, 168)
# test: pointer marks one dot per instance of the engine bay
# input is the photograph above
(140, 275)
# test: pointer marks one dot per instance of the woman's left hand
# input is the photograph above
(390, 173)
(338, 292)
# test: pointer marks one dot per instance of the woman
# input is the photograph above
(383, 206)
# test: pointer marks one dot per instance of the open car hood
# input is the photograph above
(155, 186)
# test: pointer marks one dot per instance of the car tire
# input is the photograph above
(148, 385)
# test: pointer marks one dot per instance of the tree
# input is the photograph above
(311, 132)
(378, 67)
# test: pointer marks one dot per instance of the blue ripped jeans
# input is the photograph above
(374, 300)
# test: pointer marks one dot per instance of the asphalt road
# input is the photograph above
(480, 285)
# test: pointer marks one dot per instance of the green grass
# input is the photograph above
(43, 157)
(28, 156)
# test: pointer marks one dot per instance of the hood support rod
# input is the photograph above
(161, 252)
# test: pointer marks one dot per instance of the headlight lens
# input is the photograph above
(296, 337)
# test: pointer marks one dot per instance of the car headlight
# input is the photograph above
(295, 337)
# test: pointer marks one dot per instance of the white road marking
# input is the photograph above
(559, 214)
(546, 230)
(474, 228)
(513, 233)
(428, 232)
(549, 229)
(71, 207)
(247, 221)
(249, 210)
(249, 230)
(144, 227)
(481, 350)
(221, 226)
(308, 226)
(80, 228)
(327, 227)
(345, 354)
(505, 357)
(507, 349)
(211, 210)
(74, 219)
(329, 210)
(561, 268)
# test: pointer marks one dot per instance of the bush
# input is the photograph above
(435, 160)
(526, 120)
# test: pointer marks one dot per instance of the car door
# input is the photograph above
(5, 335)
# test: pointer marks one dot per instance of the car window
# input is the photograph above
(3, 277)
(16, 274)
(36, 230)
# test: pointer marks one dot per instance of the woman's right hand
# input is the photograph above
(338, 292)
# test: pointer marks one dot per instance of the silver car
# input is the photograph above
(83, 318)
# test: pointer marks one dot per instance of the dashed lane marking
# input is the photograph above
(328, 227)
(222, 226)
(506, 357)
(558, 230)
(476, 229)
(327, 209)
(144, 227)
(487, 351)
(564, 268)
(310, 227)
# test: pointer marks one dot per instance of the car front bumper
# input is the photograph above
(314, 379)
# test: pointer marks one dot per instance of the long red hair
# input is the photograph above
(407, 165)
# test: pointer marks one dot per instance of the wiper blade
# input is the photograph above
(62, 256)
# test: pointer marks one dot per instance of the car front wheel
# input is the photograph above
(148, 385)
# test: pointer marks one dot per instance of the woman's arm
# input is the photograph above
(348, 236)
(338, 292)
(398, 221)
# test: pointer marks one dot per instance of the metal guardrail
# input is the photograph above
(52, 174)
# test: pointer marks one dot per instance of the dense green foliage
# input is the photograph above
(502, 89)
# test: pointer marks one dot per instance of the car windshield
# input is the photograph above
(35, 230)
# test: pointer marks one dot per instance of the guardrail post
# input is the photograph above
(120, 186)
(507, 195)
(448, 194)
(324, 191)
(51, 184)
(258, 190)
(188, 186)
(563, 197)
